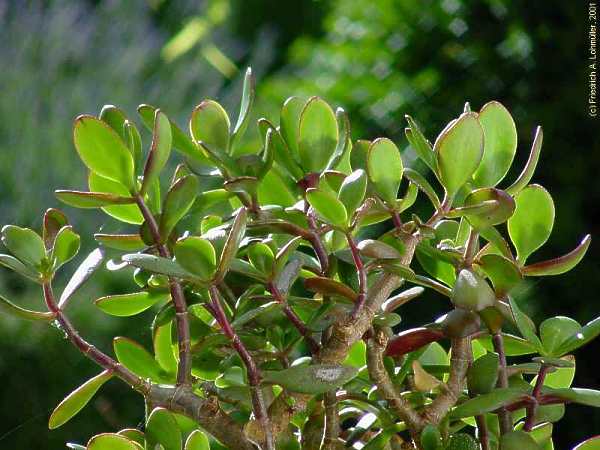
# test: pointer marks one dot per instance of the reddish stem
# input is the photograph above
(504, 414)
(184, 368)
(91, 352)
(293, 317)
(258, 404)
(537, 390)
(362, 276)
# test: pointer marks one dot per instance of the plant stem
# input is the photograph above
(184, 368)
(504, 415)
(362, 275)
(471, 248)
(376, 345)
(258, 403)
(91, 352)
(537, 389)
(293, 317)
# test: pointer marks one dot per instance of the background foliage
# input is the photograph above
(379, 60)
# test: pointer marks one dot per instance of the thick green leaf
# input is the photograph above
(483, 374)
(590, 444)
(328, 286)
(136, 358)
(562, 377)
(157, 264)
(103, 151)
(234, 238)
(431, 438)
(261, 257)
(125, 211)
(83, 199)
(248, 92)
(114, 117)
(162, 428)
(503, 273)
(124, 242)
(513, 345)
(77, 399)
(25, 244)
(531, 224)
(196, 255)
(210, 124)
(110, 441)
(317, 135)
(290, 122)
(341, 154)
(54, 220)
(518, 440)
(133, 139)
(472, 292)
(353, 190)
(83, 273)
(462, 441)
(197, 441)
(315, 379)
(66, 246)
(458, 150)
(14, 264)
(500, 144)
(486, 402)
(130, 304)
(179, 200)
(504, 207)
(385, 168)
(133, 434)
(556, 330)
(14, 310)
(561, 264)
(525, 177)
(419, 143)
(524, 324)
(589, 397)
(181, 141)
(587, 333)
(420, 181)
(160, 149)
(328, 207)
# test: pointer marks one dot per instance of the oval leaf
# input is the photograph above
(210, 124)
(162, 428)
(110, 441)
(77, 399)
(179, 200)
(329, 208)
(315, 379)
(317, 135)
(458, 150)
(25, 244)
(129, 304)
(196, 255)
(160, 149)
(385, 168)
(103, 151)
(561, 264)
(136, 358)
(500, 144)
(531, 224)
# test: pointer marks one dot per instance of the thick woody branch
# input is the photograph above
(402, 408)
(184, 368)
(459, 363)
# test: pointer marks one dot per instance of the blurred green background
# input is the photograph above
(378, 59)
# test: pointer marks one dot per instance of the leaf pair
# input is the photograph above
(337, 208)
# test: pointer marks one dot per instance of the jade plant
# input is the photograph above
(274, 278)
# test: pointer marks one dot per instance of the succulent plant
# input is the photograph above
(276, 277)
